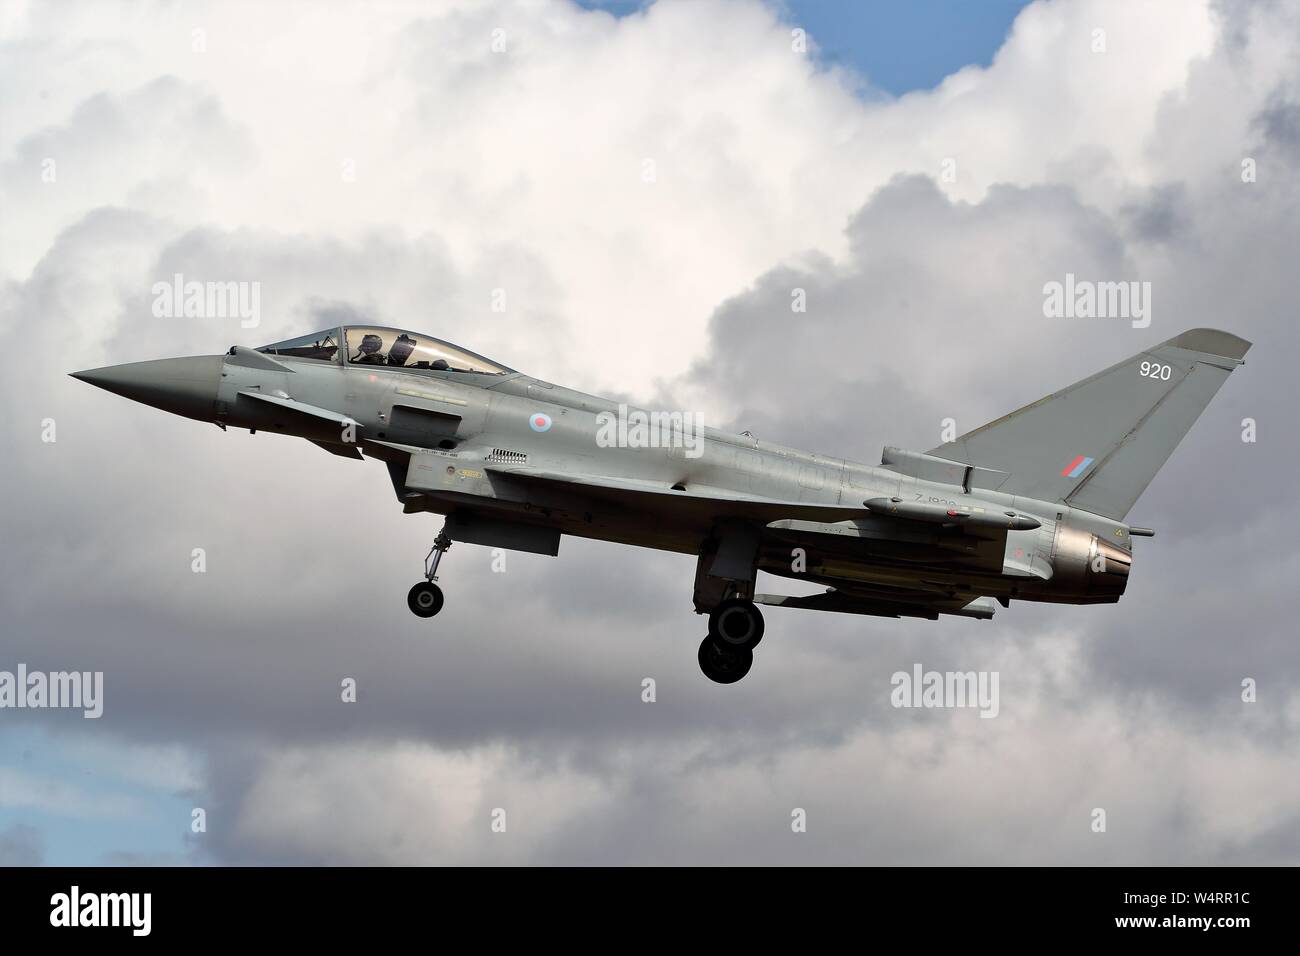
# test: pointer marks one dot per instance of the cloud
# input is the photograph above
(902, 787)
(389, 164)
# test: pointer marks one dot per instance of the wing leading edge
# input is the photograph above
(699, 501)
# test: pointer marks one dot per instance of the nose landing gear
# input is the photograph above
(425, 598)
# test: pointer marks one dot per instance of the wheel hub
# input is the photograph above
(736, 625)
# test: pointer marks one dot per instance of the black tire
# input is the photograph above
(724, 665)
(425, 599)
(736, 623)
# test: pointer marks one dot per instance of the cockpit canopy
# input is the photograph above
(392, 348)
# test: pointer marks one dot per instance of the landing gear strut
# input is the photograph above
(724, 589)
(425, 598)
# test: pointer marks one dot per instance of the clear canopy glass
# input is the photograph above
(323, 346)
(372, 345)
(391, 348)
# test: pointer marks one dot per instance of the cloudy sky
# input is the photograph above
(647, 184)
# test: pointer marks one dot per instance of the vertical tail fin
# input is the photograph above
(1098, 443)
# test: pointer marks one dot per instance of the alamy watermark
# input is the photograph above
(1085, 299)
(77, 690)
(179, 299)
(130, 910)
(634, 428)
(942, 689)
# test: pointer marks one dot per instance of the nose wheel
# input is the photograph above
(425, 598)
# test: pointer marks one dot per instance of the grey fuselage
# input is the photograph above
(443, 434)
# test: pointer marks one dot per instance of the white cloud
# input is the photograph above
(406, 803)
(757, 153)
(909, 786)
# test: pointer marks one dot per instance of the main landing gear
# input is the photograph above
(425, 598)
(735, 628)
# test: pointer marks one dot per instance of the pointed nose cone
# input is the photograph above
(182, 386)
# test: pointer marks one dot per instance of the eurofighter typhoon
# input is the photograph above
(1031, 507)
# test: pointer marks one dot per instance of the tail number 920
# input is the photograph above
(1156, 370)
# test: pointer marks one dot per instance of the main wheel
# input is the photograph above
(425, 599)
(736, 623)
(724, 665)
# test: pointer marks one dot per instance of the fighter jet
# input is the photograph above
(1030, 507)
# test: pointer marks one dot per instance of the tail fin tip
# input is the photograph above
(1212, 342)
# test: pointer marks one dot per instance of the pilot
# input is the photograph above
(370, 350)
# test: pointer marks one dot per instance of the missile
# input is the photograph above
(975, 514)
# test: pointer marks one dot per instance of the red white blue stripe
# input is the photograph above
(1077, 467)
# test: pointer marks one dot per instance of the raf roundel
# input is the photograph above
(539, 422)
